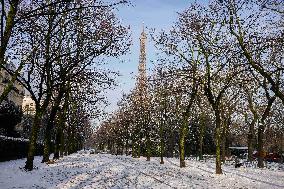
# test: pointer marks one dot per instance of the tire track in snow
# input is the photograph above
(141, 172)
(272, 185)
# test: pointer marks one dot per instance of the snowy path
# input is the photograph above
(107, 171)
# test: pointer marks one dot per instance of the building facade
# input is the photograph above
(17, 93)
(28, 106)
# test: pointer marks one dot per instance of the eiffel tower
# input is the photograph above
(141, 84)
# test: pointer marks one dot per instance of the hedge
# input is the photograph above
(16, 148)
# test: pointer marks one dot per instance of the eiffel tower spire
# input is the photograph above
(142, 77)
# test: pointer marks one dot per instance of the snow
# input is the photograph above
(84, 170)
(14, 139)
(239, 147)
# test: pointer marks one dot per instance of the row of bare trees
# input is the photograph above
(58, 47)
(220, 67)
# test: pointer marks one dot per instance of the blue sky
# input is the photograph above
(159, 14)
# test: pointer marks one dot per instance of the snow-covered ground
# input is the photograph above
(107, 171)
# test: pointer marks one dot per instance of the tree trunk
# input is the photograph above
(183, 131)
(7, 32)
(57, 145)
(223, 158)
(138, 149)
(148, 147)
(250, 142)
(136, 144)
(162, 144)
(172, 144)
(251, 133)
(58, 149)
(201, 136)
(135, 149)
(224, 138)
(47, 143)
(126, 147)
(50, 126)
(62, 145)
(68, 142)
(218, 141)
(261, 128)
(134, 153)
(33, 140)
(261, 153)
(47, 136)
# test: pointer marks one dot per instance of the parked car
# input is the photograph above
(256, 154)
(270, 157)
(273, 157)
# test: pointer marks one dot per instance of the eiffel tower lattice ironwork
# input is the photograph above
(141, 85)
